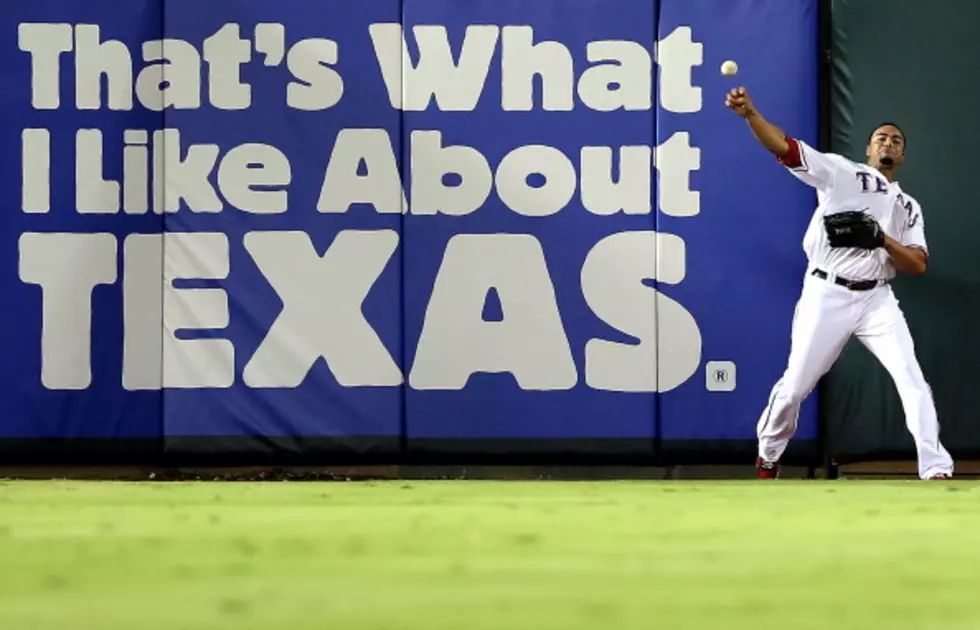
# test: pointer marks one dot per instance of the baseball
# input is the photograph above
(729, 68)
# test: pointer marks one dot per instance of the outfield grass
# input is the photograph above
(477, 555)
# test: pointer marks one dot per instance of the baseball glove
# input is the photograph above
(853, 228)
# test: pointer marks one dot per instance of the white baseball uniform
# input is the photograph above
(828, 313)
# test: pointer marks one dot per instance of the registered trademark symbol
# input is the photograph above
(719, 376)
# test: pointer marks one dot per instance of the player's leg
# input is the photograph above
(885, 333)
(824, 321)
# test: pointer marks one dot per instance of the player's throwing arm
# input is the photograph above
(769, 135)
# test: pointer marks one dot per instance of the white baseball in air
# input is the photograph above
(729, 68)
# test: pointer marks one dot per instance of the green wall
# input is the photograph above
(917, 63)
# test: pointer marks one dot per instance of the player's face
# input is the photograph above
(887, 147)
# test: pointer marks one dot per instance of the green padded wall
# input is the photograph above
(916, 63)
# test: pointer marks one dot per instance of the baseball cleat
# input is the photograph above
(940, 477)
(765, 469)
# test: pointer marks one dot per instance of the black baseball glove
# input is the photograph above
(853, 228)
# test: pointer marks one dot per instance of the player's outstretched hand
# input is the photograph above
(739, 101)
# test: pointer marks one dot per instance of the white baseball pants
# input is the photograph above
(826, 316)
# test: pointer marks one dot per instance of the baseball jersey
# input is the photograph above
(843, 184)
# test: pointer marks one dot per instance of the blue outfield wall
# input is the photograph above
(433, 226)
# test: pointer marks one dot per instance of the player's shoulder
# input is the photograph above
(842, 161)
(862, 167)
(833, 157)
(908, 201)
(830, 160)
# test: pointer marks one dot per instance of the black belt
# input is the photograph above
(853, 285)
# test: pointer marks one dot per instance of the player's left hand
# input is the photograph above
(853, 228)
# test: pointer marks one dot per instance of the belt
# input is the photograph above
(853, 285)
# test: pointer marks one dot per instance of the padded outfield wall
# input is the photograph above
(251, 231)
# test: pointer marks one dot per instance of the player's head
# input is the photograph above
(886, 147)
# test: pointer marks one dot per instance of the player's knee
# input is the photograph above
(914, 397)
(908, 377)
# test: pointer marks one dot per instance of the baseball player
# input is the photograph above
(865, 227)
